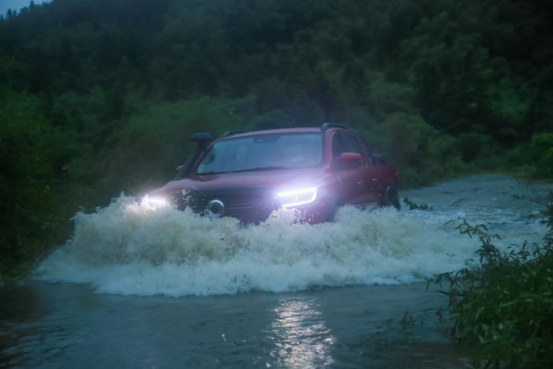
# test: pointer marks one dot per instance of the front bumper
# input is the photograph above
(250, 205)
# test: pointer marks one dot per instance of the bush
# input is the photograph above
(542, 154)
(505, 304)
(419, 151)
(27, 197)
(473, 145)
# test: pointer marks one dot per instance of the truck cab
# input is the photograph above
(250, 175)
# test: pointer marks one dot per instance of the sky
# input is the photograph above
(16, 4)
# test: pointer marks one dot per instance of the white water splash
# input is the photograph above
(129, 248)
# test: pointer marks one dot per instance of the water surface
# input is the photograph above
(157, 288)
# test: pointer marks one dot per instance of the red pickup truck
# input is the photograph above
(249, 175)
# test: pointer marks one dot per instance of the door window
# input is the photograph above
(338, 146)
(344, 143)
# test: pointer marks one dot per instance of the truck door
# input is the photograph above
(367, 172)
(378, 174)
(353, 180)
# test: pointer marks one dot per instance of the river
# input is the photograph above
(157, 288)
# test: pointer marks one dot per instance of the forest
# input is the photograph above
(100, 97)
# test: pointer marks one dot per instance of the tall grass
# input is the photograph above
(504, 304)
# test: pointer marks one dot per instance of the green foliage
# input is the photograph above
(505, 303)
(27, 197)
(149, 145)
(419, 151)
(510, 105)
(475, 145)
(542, 154)
(479, 63)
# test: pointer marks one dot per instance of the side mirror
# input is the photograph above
(350, 160)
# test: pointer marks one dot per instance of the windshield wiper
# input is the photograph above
(206, 173)
(244, 170)
(258, 168)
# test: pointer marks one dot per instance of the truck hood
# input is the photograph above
(279, 180)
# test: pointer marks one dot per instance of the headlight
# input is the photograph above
(297, 197)
(154, 201)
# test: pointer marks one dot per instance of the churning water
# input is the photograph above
(130, 249)
(126, 249)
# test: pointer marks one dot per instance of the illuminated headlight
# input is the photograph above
(154, 201)
(297, 197)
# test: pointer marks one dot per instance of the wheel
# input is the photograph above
(392, 198)
(333, 205)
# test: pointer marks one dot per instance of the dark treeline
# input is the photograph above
(100, 96)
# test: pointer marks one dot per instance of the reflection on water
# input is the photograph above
(302, 340)
(50, 326)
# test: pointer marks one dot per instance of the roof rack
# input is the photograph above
(326, 126)
(230, 133)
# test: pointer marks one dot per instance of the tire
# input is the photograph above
(333, 205)
(392, 198)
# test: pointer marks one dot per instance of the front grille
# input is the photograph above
(248, 204)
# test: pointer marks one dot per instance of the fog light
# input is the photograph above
(154, 201)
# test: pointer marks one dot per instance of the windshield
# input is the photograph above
(264, 152)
